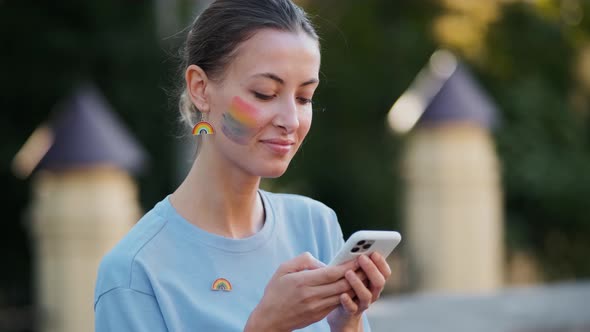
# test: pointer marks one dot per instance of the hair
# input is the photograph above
(214, 37)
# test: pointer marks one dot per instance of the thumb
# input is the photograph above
(302, 262)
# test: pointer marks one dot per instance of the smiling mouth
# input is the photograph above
(279, 147)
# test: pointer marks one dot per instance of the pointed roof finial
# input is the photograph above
(444, 91)
(86, 132)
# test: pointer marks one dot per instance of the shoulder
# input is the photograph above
(119, 268)
(312, 223)
(302, 214)
(299, 204)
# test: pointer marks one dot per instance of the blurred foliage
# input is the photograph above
(526, 57)
(544, 140)
(531, 59)
(48, 48)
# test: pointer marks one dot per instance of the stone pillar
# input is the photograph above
(453, 208)
(76, 217)
(83, 202)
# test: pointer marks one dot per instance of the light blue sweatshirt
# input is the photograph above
(160, 276)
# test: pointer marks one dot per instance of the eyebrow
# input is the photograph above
(282, 82)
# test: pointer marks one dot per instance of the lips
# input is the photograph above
(279, 146)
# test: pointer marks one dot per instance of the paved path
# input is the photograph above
(556, 308)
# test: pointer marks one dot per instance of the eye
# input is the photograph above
(304, 101)
(262, 96)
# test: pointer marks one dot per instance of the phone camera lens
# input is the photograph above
(355, 249)
(367, 246)
(361, 242)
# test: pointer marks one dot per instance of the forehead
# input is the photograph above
(294, 55)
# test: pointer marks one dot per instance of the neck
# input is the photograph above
(220, 199)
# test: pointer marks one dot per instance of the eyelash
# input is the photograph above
(262, 96)
(303, 101)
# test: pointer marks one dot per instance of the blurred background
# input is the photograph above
(464, 124)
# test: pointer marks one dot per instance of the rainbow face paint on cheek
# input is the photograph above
(240, 122)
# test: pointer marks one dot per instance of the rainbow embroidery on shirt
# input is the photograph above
(240, 121)
(221, 284)
(203, 128)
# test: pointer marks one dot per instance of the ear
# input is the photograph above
(196, 86)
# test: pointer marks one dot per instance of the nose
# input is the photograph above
(287, 116)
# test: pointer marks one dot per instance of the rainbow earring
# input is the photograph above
(203, 128)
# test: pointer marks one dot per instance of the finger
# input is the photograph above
(316, 312)
(322, 314)
(361, 274)
(337, 287)
(351, 293)
(381, 264)
(328, 274)
(376, 279)
(302, 262)
(348, 304)
(331, 289)
(325, 303)
(363, 294)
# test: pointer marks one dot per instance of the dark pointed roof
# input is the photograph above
(460, 99)
(87, 132)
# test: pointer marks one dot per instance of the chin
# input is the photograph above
(272, 171)
(273, 174)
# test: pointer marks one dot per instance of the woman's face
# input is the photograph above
(261, 110)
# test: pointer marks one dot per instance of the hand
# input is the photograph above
(301, 292)
(348, 316)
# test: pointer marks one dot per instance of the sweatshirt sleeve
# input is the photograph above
(124, 309)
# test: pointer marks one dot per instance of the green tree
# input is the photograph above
(543, 140)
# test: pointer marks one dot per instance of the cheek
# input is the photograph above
(241, 121)
(304, 124)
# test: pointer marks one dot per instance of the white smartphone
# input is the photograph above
(365, 243)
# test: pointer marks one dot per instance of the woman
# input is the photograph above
(219, 254)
